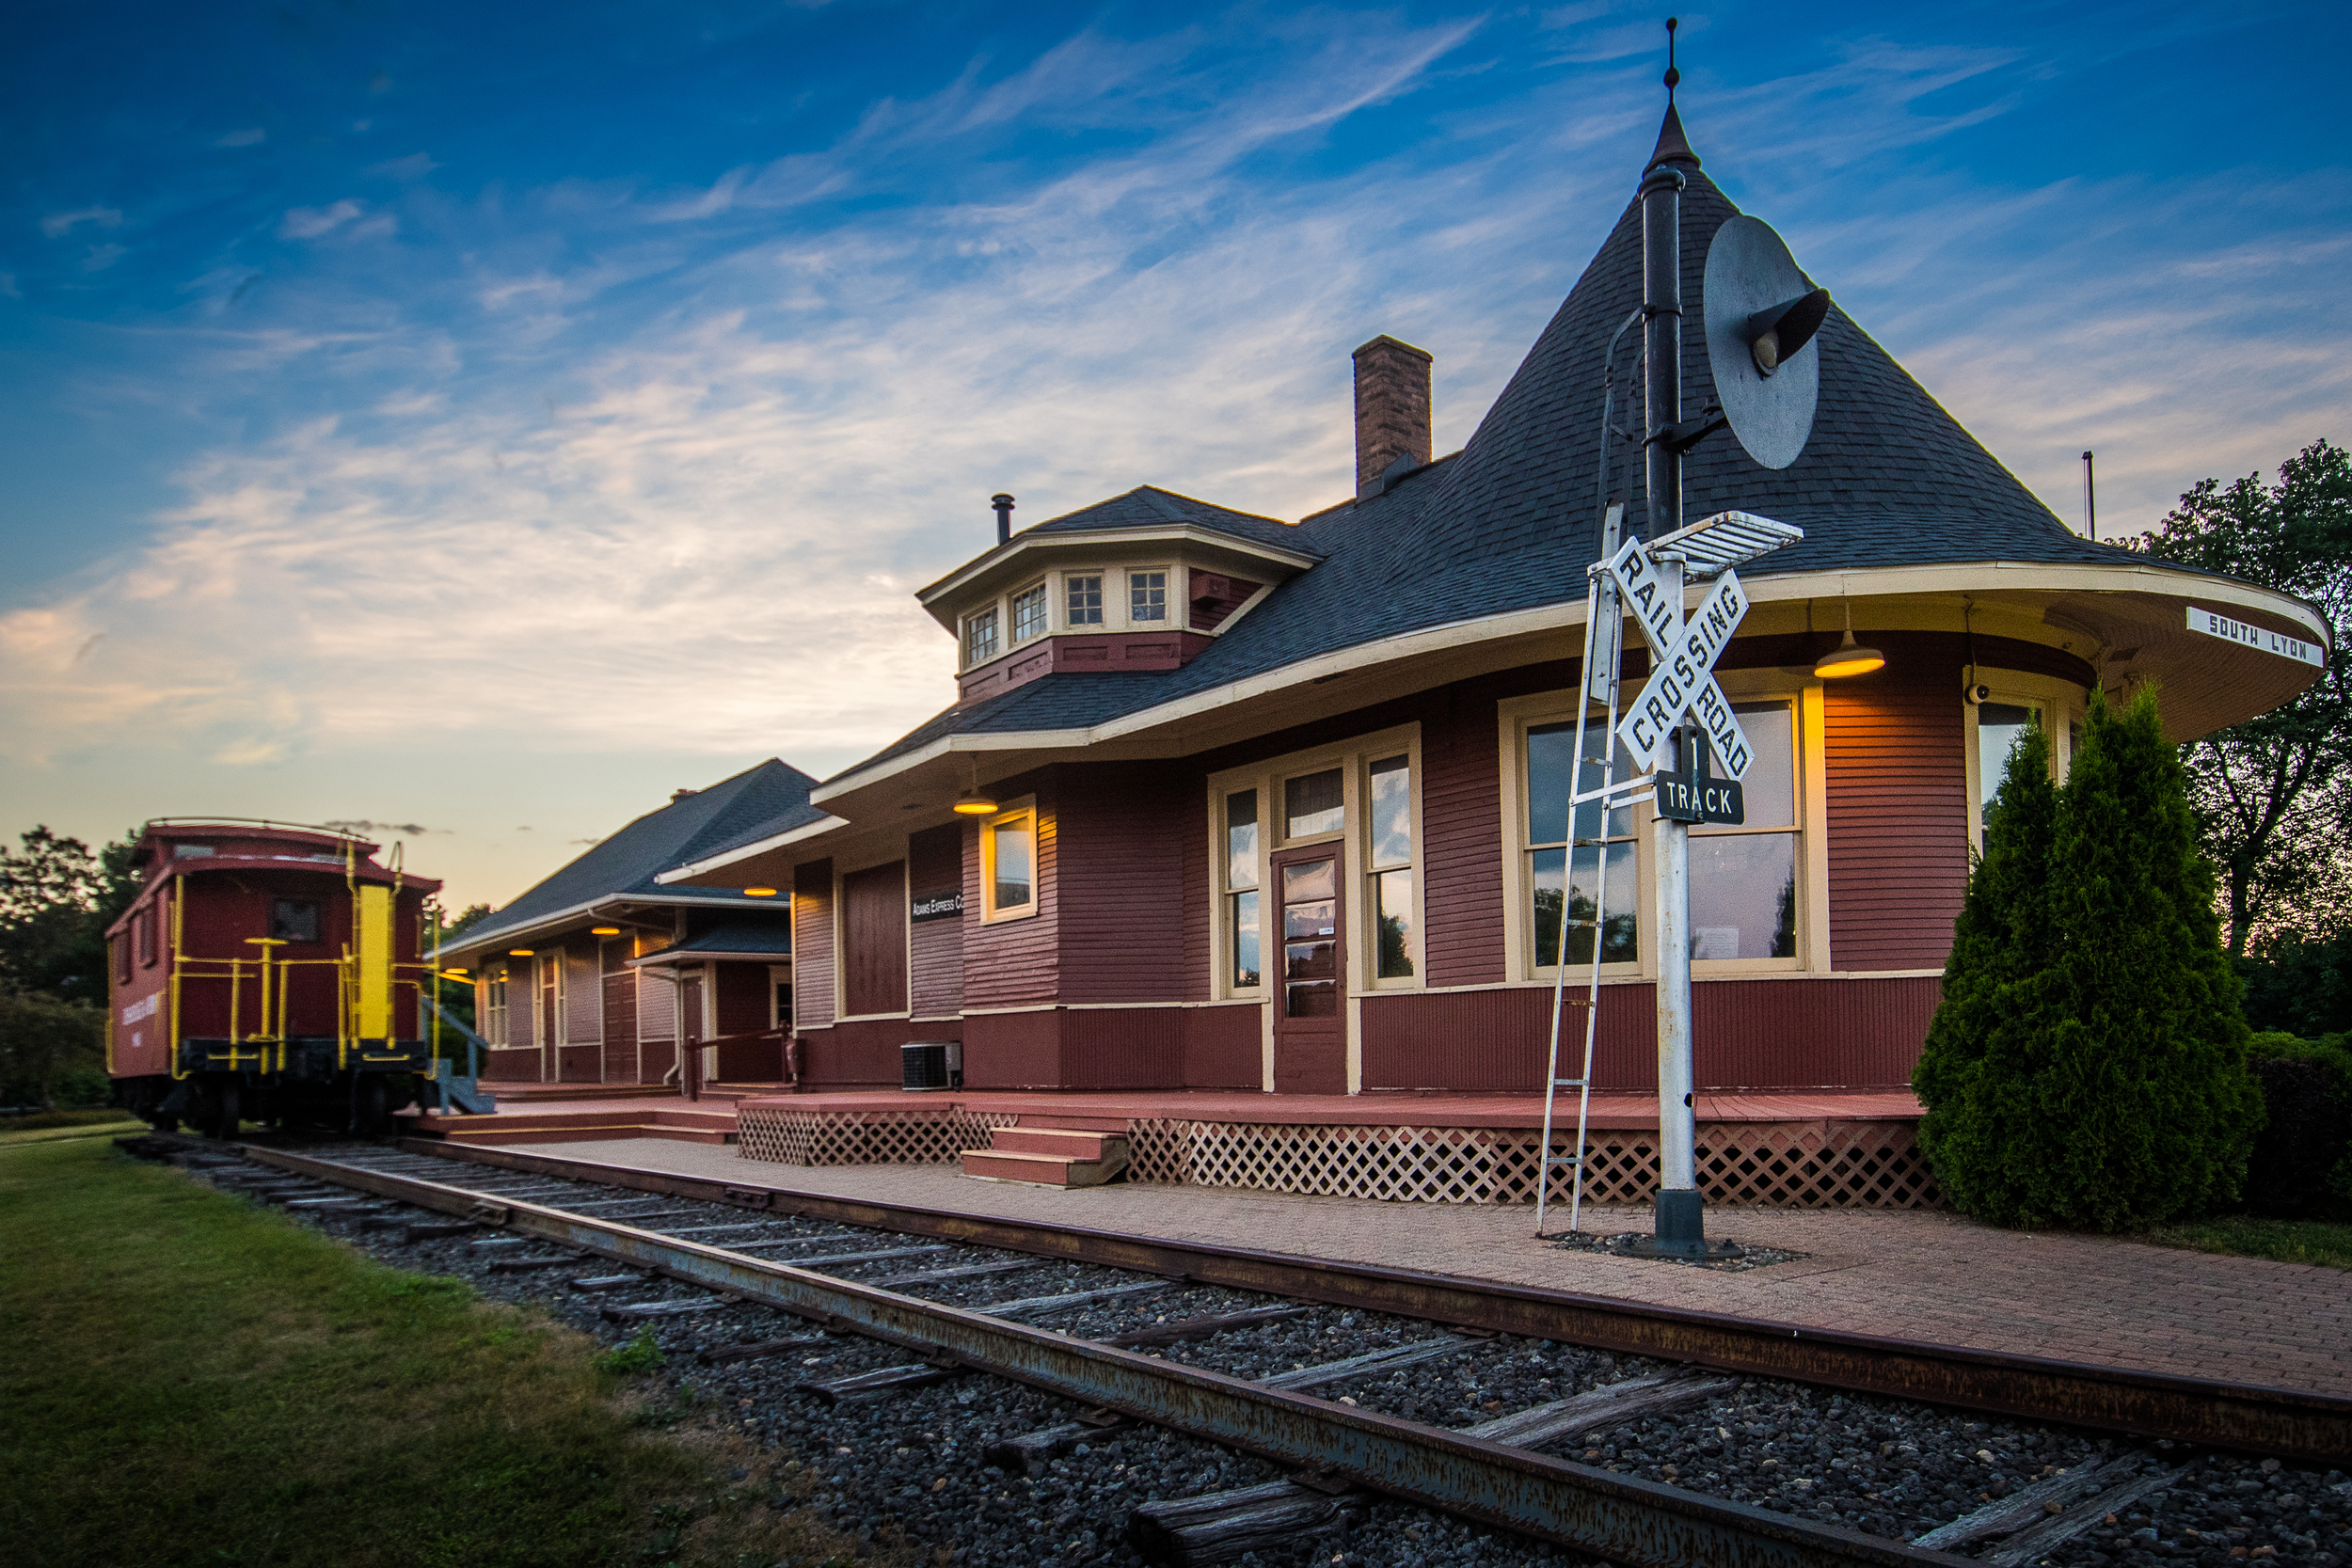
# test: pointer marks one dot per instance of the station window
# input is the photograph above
(1389, 854)
(1314, 804)
(1575, 881)
(294, 919)
(494, 1006)
(1008, 864)
(1028, 613)
(1085, 599)
(1999, 727)
(1743, 880)
(1147, 597)
(981, 637)
(1241, 887)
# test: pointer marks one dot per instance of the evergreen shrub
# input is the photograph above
(2087, 1067)
(2302, 1164)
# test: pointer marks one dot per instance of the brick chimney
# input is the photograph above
(1391, 410)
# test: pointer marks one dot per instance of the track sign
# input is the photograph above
(1684, 651)
(1696, 798)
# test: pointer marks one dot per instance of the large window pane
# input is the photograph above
(1028, 613)
(1086, 600)
(1241, 839)
(1147, 595)
(1392, 894)
(1999, 725)
(1014, 861)
(1771, 786)
(1744, 895)
(1246, 948)
(1310, 952)
(1391, 813)
(1620, 943)
(1314, 804)
(1548, 747)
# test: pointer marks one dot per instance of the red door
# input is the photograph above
(1310, 1000)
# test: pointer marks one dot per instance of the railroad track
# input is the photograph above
(1144, 1336)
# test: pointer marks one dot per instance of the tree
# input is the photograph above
(45, 1044)
(2273, 795)
(2087, 1065)
(56, 900)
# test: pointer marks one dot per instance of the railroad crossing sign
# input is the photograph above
(1684, 651)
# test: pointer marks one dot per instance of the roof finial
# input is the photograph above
(1673, 146)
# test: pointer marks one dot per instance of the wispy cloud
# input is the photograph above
(57, 224)
(308, 223)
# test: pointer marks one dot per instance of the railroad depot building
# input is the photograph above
(1233, 803)
(599, 973)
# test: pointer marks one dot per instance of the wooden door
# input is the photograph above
(1311, 997)
(690, 1030)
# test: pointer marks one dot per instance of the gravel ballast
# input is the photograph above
(907, 1471)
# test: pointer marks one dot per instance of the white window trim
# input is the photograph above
(964, 634)
(2063, 703)
(1061, 600)
(989, 913)
(1354, 758)
(780, 975)
(1514, 715)
(1045, 626)
(1178, 617)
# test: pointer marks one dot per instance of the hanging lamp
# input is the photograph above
(1848, 657)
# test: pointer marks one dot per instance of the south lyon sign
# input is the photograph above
(2214, 623)
(1685, 650)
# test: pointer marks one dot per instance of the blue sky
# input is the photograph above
(465, 420)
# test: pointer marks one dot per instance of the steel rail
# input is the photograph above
(1621, 1517)
(2290, 1424)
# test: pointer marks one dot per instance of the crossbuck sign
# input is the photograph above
(1684, 651)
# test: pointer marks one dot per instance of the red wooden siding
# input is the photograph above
(1015, 961)
(935, 980)
(1897, 807)
(863, 1053)
(1124, 1048)
(1857, 1034)
(583, 993)
(1121, 831)
(1013, 1051)
(655, 1060)
(1223, 1047)
(812, 945)
(1461, 815)
(874, 939)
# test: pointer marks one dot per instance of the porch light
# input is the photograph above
(759, 892)
(453, 975)
(521, 952)
(975, 802)
(1848, 657)
(604, 930)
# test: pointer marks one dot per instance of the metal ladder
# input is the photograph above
(1604, 632)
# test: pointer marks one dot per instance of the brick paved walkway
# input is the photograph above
(1902, 1273)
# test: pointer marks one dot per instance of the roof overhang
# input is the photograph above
(675, 957)
(2105, 610)
(479, 938)
(1012, 559)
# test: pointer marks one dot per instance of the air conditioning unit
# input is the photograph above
(932, 1065)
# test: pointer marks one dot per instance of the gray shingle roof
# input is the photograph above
(744, 934)
(627, 863)
(1149, 506)
(1889, 477)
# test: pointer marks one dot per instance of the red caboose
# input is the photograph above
(266, 972)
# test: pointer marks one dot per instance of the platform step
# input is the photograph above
(1042, 1170)
(1071, 1142)
(1075, 1121)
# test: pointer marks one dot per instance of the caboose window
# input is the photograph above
(122, 957)
(294, 920)
(145, 925)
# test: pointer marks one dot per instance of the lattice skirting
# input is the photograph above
(913, 1137)
(1846, 1164)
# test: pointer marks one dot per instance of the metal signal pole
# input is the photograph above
(1681, 1220)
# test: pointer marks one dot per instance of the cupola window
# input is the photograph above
(981, 637)
(1086, 599)
(1028, 613)
(1147, 597)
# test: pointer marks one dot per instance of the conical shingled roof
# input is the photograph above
(1889, 477)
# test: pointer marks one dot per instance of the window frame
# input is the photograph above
(1043, 588)
(993, 609)
(1169, 577)
(1102, 621)
(1014, 811)
(1515, 716)
(2062, 704)
(495, 1030)
(1804, 769)
(1353, 757)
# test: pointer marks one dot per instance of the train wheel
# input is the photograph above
(227, 1116)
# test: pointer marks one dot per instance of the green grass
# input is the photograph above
(192, 1380)
(114, 1129)
(2245, 1236)
(35, 1120)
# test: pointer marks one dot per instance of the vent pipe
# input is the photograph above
(1003, 503)
(2090, 498)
